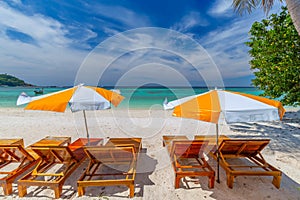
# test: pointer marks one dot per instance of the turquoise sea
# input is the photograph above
(135, 98)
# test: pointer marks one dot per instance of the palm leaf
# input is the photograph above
(241, 6)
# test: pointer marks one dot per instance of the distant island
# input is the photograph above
(9, 80)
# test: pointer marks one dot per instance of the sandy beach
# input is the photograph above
(155, 178)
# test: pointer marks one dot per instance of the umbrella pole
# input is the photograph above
(86, 128)
(218, 155)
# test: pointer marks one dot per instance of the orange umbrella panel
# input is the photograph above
(111, 96)
(56, 102)
(204, 107)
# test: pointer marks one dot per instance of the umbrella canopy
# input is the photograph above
(79, 98)
(235, 106)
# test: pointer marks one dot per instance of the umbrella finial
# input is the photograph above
(23, 99)
(165, 104)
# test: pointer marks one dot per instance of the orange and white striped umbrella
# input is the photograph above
(79, 98)
(236, 107)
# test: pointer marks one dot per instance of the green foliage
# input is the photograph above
(9, 80)
(275, 51)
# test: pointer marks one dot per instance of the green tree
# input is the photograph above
(10, 80)
(293, 6)
(275, 51)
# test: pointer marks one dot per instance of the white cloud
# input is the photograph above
(221, 8)
(54, 61)
(17, 2)
(49, 62)
(189, 21)
(125, 52)
(227, 47)
(117, 14)
(42, 29)
(51, 59)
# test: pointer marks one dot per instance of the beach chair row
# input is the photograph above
(238, 157)
(188, 157)
(40, 158)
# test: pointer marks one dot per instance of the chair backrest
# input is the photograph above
(14, 153)
(58, 154)
(80, 142)
(168, 139)
(123, 142)
(243, 147)
(107, 154)
(188, 148)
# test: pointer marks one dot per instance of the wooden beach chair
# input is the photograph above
(112, 164)
(14, 160)
(56, 165)
(242, 157)
(188, 159)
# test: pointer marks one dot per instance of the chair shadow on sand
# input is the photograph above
(285, 137)
(255, 187)
(69, 190)
(145, 167)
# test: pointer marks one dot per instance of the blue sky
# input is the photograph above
(50, 42)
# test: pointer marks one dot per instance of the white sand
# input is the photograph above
(155, 179)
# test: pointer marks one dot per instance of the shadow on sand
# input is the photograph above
(284, 135)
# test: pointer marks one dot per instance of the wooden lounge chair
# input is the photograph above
(45, 174)
(233, 151)
(112, 164)
(14, 160)
(188, 160)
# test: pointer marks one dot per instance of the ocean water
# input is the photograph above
(9, 95)
(135, 98)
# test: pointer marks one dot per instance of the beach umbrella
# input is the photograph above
(234, 106)
(79, 98)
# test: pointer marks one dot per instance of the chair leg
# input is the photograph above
(7, 188)
(230, 179)
(58, 191)
(22, 190)
(276, 181)
(131, 190)
(177, 182)
(80, 191)
(211, 181)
